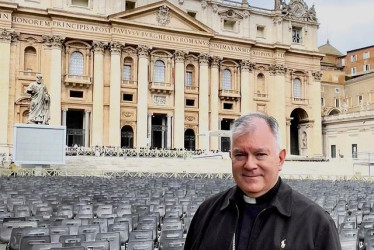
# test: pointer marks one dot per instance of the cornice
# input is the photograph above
(8, 5)
(73, 15)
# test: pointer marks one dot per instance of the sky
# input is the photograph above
(347, 24)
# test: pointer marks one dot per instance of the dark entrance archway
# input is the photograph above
(189, 139)
(127, 137)
(298, 116)
(225, 141)
(74, 128)
(159, 131)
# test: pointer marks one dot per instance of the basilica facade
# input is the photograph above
(162, 74)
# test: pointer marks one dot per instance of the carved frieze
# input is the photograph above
(53, 41)
(115, 47)
(98, 47)
(8, 35)
(277, 69)
(179, 56)
(129, 51)
(247, 65)
(143, 50)
(159, 100)
(203, 58)
(163, 16)
(317, 75)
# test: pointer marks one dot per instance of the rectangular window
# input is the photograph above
(261, 31)
(296, 35)
(229, 25)
(130, 5)
(360, 99)
(366, 55)
(81, 3)
(322, 102)
(366, 67)
(353, 71)
(337, 103)
(190, 102)
(333, 151)
(343, 62)
(354, 150)
(227, 105)
(126, 73)
(127, 97)
(76, 94)
(188, 78)
(353, 58)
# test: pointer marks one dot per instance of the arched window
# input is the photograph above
(261, 84)
(30, 59)
(297, 93)
(127, 69)
(189, 75)
(159, 71)
(226, 81)
(76, 64)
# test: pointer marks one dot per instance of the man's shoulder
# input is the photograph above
(219, 198)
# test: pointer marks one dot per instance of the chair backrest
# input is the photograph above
(6, 228)
(103, 209)
(172, 244)
(140, 245)
(69, 248)
(125, 219)
(112, 238)
(27, 242)
(96, 245)
(103, 224)
(18, 233)
(57, 231)
(65, 210)
(90, 231)
(144, 225)
(72, 240)
(174, 234)
(122, 229)
(140, 235)
(172, 225)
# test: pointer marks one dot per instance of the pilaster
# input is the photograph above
(203, 97)
(315, 96)
(214, 101)
(246, 90)
(178, 127)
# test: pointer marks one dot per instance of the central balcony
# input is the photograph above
(191, 89)
(229, 94)
(77, 81)
(161, 87)
(129, 84)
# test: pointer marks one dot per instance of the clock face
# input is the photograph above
(297, 9)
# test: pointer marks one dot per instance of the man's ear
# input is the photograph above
(282, 158)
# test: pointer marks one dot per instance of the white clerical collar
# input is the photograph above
(249, 200)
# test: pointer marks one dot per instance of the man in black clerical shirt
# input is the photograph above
(261, 211)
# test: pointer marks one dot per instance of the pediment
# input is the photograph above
(161, 15)
(231, 14)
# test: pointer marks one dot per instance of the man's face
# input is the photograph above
(256, 159)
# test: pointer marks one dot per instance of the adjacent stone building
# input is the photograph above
(162, 74)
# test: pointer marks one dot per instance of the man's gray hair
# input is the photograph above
(244, 124)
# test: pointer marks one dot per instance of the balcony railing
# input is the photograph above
(299, 100)
(129, 84)
(191, 89)
(229, 94)
(261, 96)
(77, 80)
(161, 87)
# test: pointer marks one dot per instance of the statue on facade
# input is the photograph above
(40, 102)
(277, 4)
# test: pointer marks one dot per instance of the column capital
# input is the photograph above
(317, 75)
(143, 50)
(98, 47)
(247, 65)
(215, 61)
(115, 47)
(179, 56)
(277, 69)
(204, 59)
(8, 35)
(54, 41)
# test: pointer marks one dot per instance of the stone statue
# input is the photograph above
(304, 140)
(277, 4)
(40, 102)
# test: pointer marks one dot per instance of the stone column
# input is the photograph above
(142, 108)
(86, 128)
(6, 37)
(64, 117)
(115, 95)
(246, 94)
(168, 145)
(203, 98)
(315, 96)
(214, 101)
(149, 134)
(55, 43)
(278, 95)
(288, 135)
(98, 95)
(178, 127)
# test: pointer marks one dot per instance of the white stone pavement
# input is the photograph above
(337, 167)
